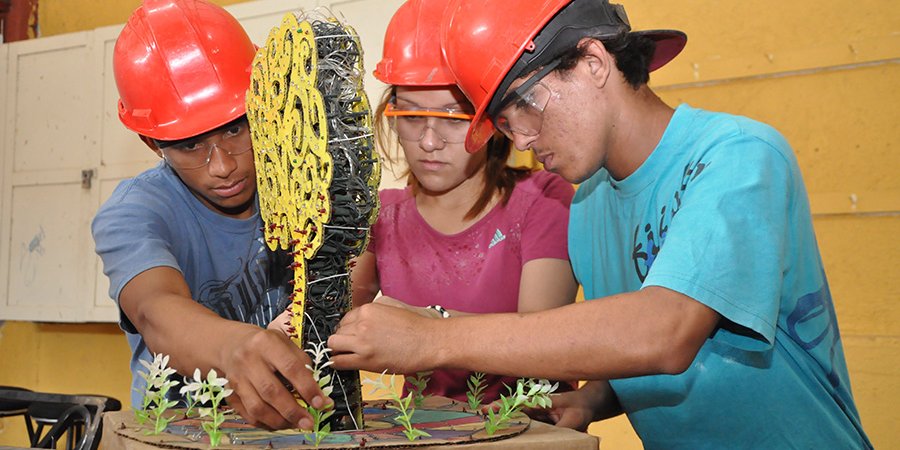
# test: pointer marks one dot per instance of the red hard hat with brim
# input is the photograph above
(182, 68)
(412, 47)
(488, 44)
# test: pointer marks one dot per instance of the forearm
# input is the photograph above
(159, 304)
(621, 336)
(192, 335)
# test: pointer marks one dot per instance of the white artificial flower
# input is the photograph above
(213, 379)
(195, 385)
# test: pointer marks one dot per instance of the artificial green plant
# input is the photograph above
(401, 405)
(417, 385)
(475, 394)
(319, 353)
(211, 391)
(529, 393)
(158, 384)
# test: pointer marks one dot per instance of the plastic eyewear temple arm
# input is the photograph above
(390, 111)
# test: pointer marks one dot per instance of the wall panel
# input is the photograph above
(52, 119)
(119, 146)
(873, 363)
(861, 255)
(46, 244)
(5, 142)
(52, 109)
(734, 38)
(840, 123)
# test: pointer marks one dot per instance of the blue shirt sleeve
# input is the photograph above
(131, 236)
(725, 244)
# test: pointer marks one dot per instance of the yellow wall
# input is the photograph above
(824, 73)
(62, 358)
(67, 16)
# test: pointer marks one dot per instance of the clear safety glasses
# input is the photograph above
(410, 124)
(233, 139)
(522, 110)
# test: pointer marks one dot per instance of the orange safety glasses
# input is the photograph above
(412, 124)
(391, 111)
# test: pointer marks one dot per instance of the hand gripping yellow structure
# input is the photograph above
(318, 175)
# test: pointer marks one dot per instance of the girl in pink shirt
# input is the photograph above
(468, 233)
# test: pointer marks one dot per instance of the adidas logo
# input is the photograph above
(498, 237)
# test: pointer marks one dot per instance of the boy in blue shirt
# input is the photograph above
(709, 320)
(181, 243)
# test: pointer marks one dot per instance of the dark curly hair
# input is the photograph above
(632, 52)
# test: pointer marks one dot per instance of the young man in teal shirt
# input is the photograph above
(709, 320)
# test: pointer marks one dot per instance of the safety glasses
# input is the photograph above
(411, 123)
(233, 139)
(522, 110)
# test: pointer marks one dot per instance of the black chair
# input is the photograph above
(12, 408)
(75, 417)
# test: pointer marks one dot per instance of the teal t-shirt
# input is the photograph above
(719, 212)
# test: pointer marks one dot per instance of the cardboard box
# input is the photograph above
(538, 436)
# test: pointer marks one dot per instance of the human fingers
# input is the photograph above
(379, 337)
(264, 396)
(574, 418)
(250, 405)
(347, 361)
(570, 411)
(542, 414)
(349, 353)
(357, 321)
(349, 318)
(281, 323)
(360, 343)
(340, 343)
(292, 365)
(354, 353)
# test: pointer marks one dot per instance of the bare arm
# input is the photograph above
(546, 283)
(364, 279)
(159, 304)
(651, 331)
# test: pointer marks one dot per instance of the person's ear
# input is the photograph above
(152, 145)
(598, 61)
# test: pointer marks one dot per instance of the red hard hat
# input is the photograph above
(488, 43)
(182, 68)
(412, 46)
